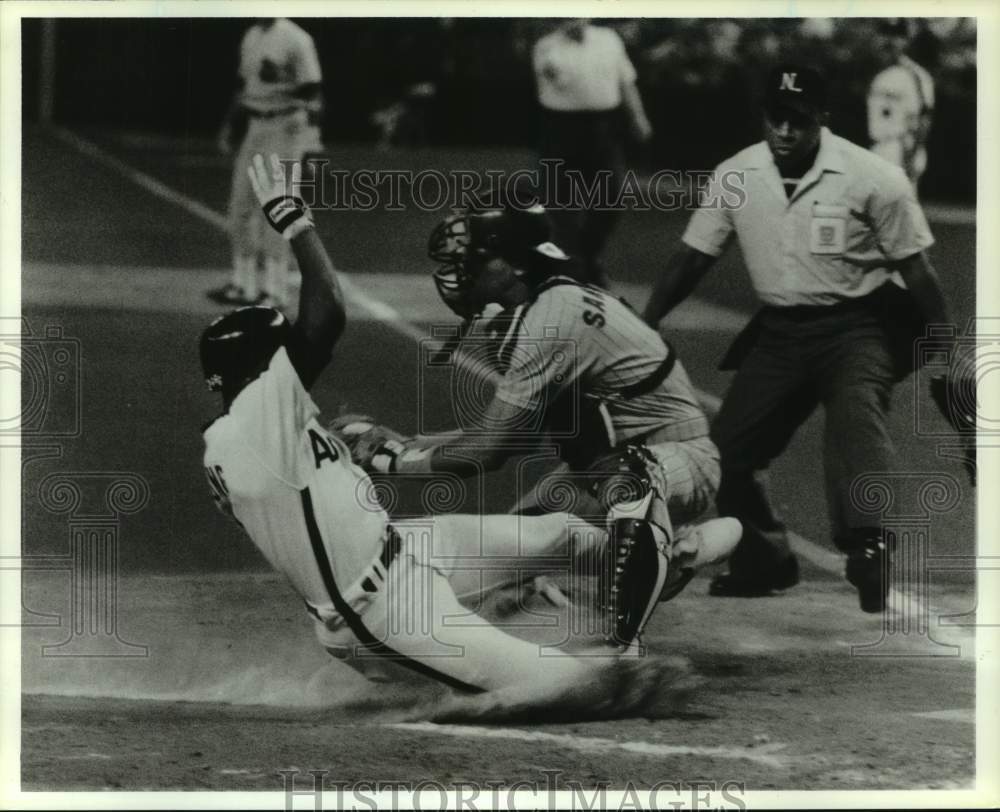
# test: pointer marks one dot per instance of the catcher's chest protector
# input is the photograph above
(579, 419)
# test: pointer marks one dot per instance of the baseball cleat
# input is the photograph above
(868, 571)
(734, 585)
(638, 567)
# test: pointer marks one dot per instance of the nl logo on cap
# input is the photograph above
(788, 82)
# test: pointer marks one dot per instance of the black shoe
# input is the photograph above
(734, 585)
(868, 571)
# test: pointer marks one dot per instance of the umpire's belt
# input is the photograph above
(820, 311)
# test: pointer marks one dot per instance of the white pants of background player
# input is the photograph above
(416, 611)
(254, 242)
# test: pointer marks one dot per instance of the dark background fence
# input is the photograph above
(699, 79)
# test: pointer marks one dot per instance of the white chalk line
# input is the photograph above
(381, 311)
(965, 716)
(765, 754)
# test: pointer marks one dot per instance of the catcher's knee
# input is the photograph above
(633, 475)
(636, 488)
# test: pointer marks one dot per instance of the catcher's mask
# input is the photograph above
(463, 242)
(236, 345)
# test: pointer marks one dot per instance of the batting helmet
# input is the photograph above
(234, 346)
(523, 237)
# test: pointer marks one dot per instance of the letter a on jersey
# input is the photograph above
(788, 82)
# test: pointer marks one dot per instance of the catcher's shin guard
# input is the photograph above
(637, 564)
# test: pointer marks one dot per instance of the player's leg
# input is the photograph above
(691, 471)
(243, 232)
(855, 376)
(606, 169)
(766, 403)
(482, 552)
(419, 623)
(691, 474)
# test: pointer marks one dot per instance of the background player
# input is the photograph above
(377, 589)
(586, 87)
(828, 232)
(580, 366)
(278, 107)
(900, 103)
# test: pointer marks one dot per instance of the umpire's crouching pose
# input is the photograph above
(830, 234)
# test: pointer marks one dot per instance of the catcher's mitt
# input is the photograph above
(368, 440)
(956, 398)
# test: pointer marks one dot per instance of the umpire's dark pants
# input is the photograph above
(838, 356)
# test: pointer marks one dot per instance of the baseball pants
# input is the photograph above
(688, 471)
(836, 356)
(416, 612)
(691, 469)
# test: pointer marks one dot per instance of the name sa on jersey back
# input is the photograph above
(593, 314)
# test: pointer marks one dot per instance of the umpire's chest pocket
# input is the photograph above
(828, 229)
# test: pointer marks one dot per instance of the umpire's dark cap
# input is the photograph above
(797, 88)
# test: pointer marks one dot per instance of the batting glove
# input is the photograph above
(285, 211)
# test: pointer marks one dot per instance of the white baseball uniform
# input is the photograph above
(375, 588)
(899, 97)
(274, 62)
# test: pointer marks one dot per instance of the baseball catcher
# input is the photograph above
(576, 367)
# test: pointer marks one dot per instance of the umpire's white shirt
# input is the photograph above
(292, 486)
(581, 76)
(851, 214)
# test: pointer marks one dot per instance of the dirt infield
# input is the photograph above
(232, 691)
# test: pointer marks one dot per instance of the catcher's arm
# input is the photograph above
(372, 445)
(380, 449)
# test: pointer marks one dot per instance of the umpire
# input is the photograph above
(833, 239)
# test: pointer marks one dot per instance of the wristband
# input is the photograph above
(288, 215)
(415, 461)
